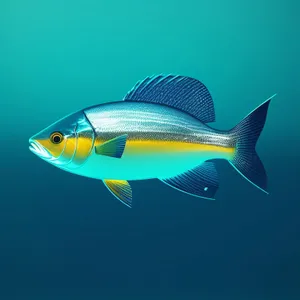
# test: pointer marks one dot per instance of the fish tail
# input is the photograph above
(246, 134)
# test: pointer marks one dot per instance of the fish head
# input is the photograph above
(66, 143)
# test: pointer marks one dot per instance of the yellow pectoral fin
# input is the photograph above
(121, 189)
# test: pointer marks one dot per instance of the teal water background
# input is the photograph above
(65, 237)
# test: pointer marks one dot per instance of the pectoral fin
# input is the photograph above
(113, 148)
(201, 181)
(121, 189)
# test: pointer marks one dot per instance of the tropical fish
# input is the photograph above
(159, 130)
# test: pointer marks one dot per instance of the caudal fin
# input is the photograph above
(246, 160)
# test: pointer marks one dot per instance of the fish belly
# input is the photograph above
(140, 167)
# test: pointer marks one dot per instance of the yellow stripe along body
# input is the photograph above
(142, 147)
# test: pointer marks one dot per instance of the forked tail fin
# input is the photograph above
(246, 160)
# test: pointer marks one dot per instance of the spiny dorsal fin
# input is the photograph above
(184, 93)
(201, 181)
(113, 148)
(121, 189)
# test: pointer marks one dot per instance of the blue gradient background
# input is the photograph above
(65, 237)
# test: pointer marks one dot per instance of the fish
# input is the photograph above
(159, 130)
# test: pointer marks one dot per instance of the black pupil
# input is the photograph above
(56, 139)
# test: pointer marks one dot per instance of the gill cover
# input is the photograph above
(85, 137)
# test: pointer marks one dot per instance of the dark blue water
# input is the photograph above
(66, 237)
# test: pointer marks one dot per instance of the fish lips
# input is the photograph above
(38, 149)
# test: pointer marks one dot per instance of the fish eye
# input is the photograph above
(56, 137)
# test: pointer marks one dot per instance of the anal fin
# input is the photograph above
(121, 189)
(201, 181)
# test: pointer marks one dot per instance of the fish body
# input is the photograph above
(158, 131)
(161, 141)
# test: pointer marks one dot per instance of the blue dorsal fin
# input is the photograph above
(201, 181)
(184, 93)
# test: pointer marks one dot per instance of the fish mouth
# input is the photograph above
(39, 150)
